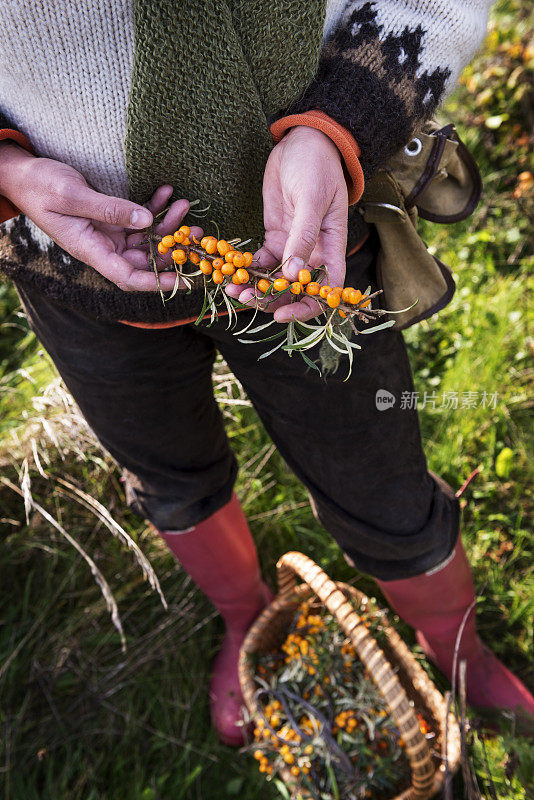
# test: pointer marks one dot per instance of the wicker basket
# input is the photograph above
(404, 685)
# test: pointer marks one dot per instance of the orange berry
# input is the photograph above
(295, 771)
(242, 276)
(223, 247)
(218, 263)
(187, 241)
(195, 240)
(355, 297)
(338, 289)
(229, 256)
(185, 229)
(264, 285)
(179, 255)
(333, 299)
(228, 269)
(205, 266)
(296, 287)
(211, 245)
(258, 755)
(248, 259)
(194, 258)
(167, 241)
(238, 260)
(217, 276)
(162, 250)
(280, 284)
(325, 291)
(304, 276)
(342, 313)
(313, 288)
(178, 237)
(367, 303)
(345, 294)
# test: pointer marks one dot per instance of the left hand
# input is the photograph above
(305, 213)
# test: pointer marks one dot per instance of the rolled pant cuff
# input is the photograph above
(390, 557)
(175, 514)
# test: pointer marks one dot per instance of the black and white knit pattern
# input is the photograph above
(387, 64)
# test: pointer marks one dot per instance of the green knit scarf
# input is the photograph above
(207, 76)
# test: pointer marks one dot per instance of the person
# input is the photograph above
(113, 110)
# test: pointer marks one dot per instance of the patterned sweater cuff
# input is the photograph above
(342, 138)
(7, 209)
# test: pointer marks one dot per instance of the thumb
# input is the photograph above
(301, 239)
(86, 202)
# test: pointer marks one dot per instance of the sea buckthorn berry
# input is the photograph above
(186, 241)
(229, 256)
(167, 241)
(204, 241)
(345, 294)
(280, 284)
(194, 258)
(243, 277)
(365, 304)
(162, 250)
(304, 276)
(333, 299)
(185, 229)
(248, 259)
(313, 288)
(295, 771)
(264, 285)
(223, 247)
(178, 237)
(258, 755)
(355, 297)
(218, 263)
(217, 276)
(342, 313)
(228, 269)
(325, 291)
(238, 260)
(195, 240)
(179, 255)
(338, 289)
(205, 266)
(296, 287)
(211, 245)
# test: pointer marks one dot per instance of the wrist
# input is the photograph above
(14, 161)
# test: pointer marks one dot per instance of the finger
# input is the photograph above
(160, 198)
(302, 238)
(99, 253)
(173, 218)
(80, 200)
(304, 310)
(197, 232)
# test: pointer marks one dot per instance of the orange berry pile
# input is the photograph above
(317, 663)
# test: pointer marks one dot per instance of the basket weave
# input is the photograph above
(401, 681)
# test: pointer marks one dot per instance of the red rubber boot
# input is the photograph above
(220, 555)
(435, 604)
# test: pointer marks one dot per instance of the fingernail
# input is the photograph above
(294, 265)
(141, 218)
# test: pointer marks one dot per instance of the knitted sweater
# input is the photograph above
(384, 67)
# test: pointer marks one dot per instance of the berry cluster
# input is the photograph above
(221, 262)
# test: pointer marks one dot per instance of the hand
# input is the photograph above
(305, 213)
(93, 227)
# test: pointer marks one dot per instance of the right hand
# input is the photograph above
(93, 227)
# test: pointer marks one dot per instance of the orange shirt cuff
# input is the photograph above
(7, 209)
(342, 138)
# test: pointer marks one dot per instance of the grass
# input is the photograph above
(83, 720)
